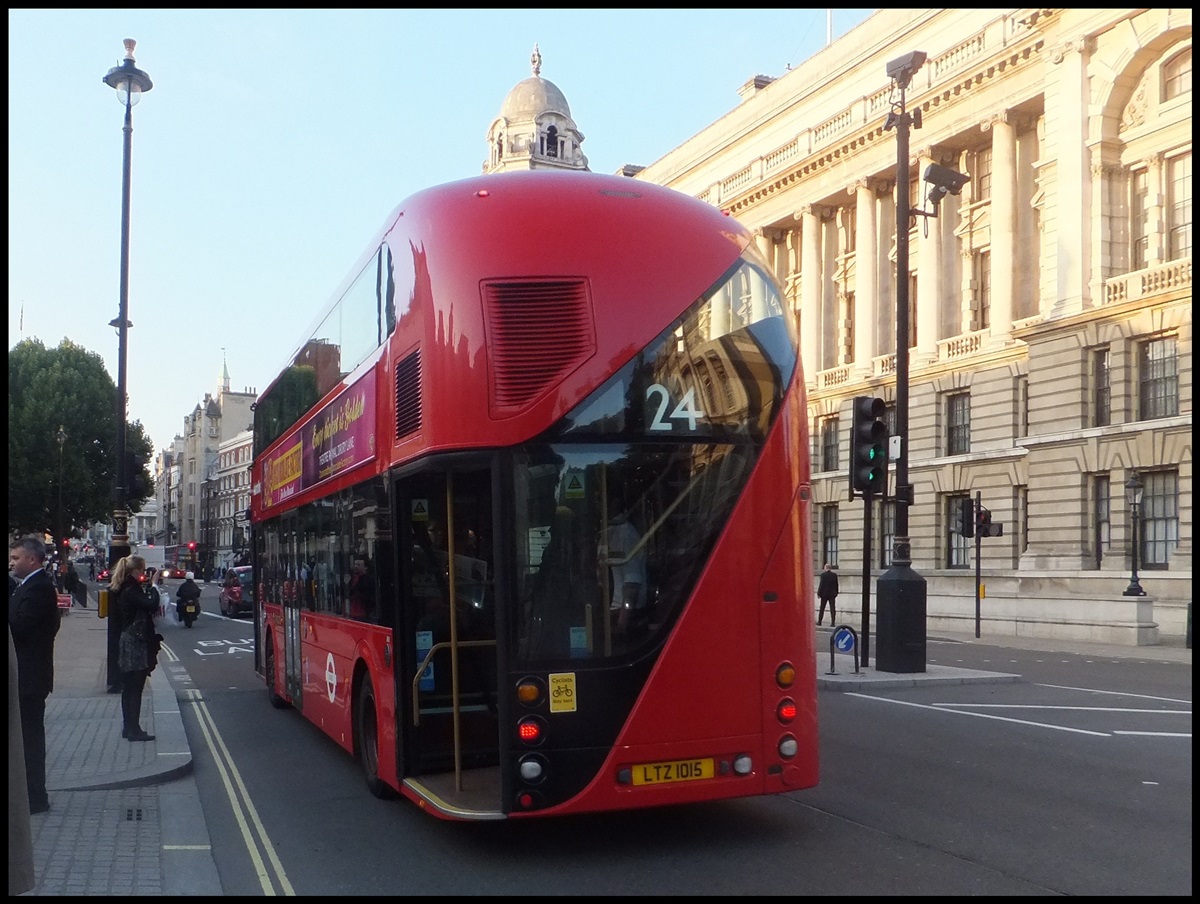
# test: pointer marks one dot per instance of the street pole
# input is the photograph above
(129, 83)
(901, 592)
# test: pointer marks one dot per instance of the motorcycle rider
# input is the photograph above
(187, 591)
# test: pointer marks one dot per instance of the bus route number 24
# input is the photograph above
(659, 397)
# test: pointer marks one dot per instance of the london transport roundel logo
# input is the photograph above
(330, 678)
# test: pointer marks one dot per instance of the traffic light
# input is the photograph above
(987, 528)
(868, 446)
(192, 545)
(966, 517)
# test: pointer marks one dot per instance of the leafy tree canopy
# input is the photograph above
(67, 387)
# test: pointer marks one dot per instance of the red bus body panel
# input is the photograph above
(750, 610)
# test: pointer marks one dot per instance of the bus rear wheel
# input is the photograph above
(366, 736)
(272, 694)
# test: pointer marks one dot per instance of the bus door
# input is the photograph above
(447, 623)
(291, 593)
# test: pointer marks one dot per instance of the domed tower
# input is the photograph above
(534, 129)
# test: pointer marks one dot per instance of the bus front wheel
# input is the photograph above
(366, 733)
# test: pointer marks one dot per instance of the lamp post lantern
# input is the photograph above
(130, 83)
(1133, 494)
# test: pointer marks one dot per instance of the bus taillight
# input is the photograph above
(786, 710)
(530, 730)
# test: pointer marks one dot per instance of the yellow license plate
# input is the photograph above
(672, 771)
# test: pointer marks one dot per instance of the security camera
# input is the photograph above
(902, 69)
(949, 181)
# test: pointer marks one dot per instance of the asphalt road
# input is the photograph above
(1076, 780)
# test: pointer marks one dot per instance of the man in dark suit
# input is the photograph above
(33, 619)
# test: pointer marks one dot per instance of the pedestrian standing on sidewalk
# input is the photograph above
(33, 619)
(827, 590)
(21, 877)
(137, 632)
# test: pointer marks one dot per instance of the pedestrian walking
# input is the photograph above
(827, 591)
(33, 619)
(137, 653)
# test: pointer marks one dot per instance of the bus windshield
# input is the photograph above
(619, 507)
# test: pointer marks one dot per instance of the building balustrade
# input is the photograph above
(1172, 276)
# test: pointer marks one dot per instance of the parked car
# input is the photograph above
(237, 591)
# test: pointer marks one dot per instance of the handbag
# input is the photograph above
(133, 651)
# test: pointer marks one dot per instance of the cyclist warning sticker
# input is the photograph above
(562, 692)
(574, 485)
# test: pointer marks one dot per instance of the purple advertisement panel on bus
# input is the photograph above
(340, 437)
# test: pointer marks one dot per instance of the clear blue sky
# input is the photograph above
(273, 144)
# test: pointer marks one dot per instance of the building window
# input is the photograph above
(983, 296)
(829, 444)
(1158, 379)
(1179, 209)
(958, 423)
(887, 532)
(1021, 398)
(1139, 229)
(829, 534)
(1177, 76)
(981, 176)
(1159, 513)
(958, 547)
(1101, 388)
(1101, 512)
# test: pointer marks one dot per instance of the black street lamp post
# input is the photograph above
(130, 83)
(60, 528)
(1133, 494)
(901, 592)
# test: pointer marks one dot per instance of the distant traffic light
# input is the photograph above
(868, 446)
(966, 517)
(192, 545)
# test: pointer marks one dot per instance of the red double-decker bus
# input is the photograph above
(530, 512)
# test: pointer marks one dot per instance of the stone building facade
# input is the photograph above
(1050, 328)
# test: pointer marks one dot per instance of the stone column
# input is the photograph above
(810, 291)
(866, 282)
(1004, 223)
(1067, 106)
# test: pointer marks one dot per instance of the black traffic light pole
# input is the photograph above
(978, 559)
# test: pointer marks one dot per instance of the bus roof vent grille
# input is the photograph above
(408, 395)
(538, 331)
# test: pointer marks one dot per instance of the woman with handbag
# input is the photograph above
(135, 658)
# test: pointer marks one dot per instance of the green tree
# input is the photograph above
(66, 387)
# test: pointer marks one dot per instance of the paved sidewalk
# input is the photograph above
(125, 817)
(843, 677)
